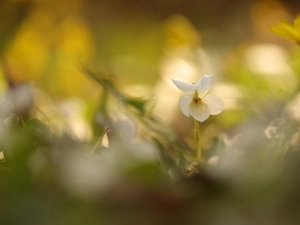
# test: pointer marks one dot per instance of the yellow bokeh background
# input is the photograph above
(144, 45)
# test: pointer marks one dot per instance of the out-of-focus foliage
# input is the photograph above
(90, 128)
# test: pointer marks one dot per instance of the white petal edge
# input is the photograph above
(204, 85)
(186, 88)
(214, 103)
(184, 103)
(199, 111)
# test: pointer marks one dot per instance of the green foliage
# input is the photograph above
(46, 178)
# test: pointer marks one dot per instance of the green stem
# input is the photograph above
(98, 142)
(198, 141)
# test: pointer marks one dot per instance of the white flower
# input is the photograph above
(197, 102)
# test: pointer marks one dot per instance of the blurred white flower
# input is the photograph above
(197, 102)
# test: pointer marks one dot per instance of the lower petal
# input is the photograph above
(199, 111)
(184, 103)
(214, 103)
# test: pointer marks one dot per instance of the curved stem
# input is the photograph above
(98, 141)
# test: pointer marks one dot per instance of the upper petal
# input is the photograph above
(204, 85)
(187, 88)
(214, 103)
(199, 111)
(184, 103)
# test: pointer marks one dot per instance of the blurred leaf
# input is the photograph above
(106, 81)
(149, 174)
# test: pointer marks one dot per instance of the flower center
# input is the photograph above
(197, 100)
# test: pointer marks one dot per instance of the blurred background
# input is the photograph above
(52, 53)
(144, 44)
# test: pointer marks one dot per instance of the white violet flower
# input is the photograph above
(197, 102)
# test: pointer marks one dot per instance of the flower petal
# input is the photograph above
(199, 111)
(184, 103)
(282, 33)
(290, 30)
(214, 103)
(297, 23)
(187, 88)
(204, 85)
